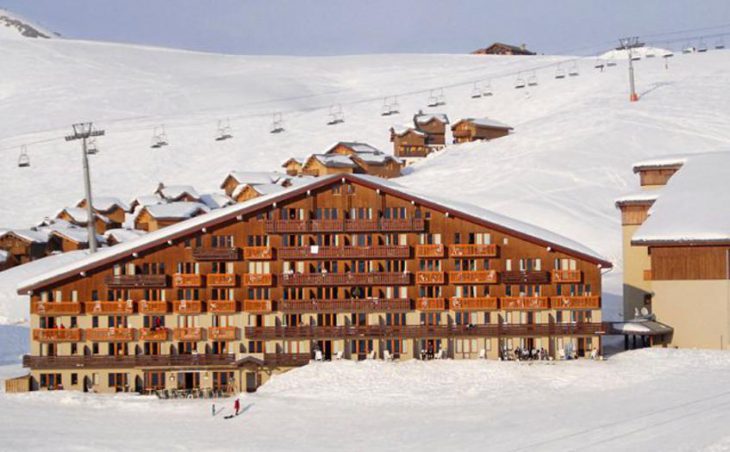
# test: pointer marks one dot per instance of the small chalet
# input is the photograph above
(473, 129)
(175, 193)
(293, 166)
(236, 178)
(80, 217)
(145, 200)
(433, 125)
(499, 48)
(121, 235)
(408, 142)
(72, 239)
(24, 245)
(154, 217)
(112, 208)
(347, 158)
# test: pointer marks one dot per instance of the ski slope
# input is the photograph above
(652, 399)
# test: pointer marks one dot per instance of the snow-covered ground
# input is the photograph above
(643, 400)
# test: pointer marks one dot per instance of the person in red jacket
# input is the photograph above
(237, 406)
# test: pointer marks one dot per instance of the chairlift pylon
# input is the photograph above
(277, 124)
(159, 137)
(224, 130)
(476, 92)
(519, 82)
(336, 115)
(24, 158)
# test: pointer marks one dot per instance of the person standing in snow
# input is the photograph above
(237, 406)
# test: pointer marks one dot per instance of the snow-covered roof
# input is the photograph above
(81, 216)
(299, 160)
(642, 327)
(487, 122)
(373, 158)
(183, 228)
(105, 203)
(333, 160)
(215, 200)
(30, 235)
(173, 192)
(261, 189)
(121, 235)
(401, 130)
(77, 235)
(254, 177)
(147, 200)
(355, 146)
(692, 207)
(176, 210)
(661, 162)
(639, 197)
(425, 118)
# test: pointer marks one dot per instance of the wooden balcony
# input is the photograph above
(524, 303)
(109, 307)
(345, 252)
(187, 306)
(413, 151)
(156, 335)
(110, 334)
(153, 307)
(222, 333)
(257, 306)
(285, 226)
(344, 279)
(431, 304)
(221, 279)
(136, 281)
(402, 225)
(57, 334)
(430, 277)
(52, 308)
(287, 359)
(576, 302)
(473, 250)
(187, 280)
(258, 279)
(326, 225)
(473, 304)
(349, 225)
(222, 306)
(258, 253)
(188, 334)
(473, 277)
(345, 305)
(430, 251)
(525, 277)
(216, 254)
(127, 361)
(567, 276)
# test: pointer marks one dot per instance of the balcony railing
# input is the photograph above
(431, 304)
(525, 277)
(187, 306)
(345, 305)
(349, 225)
(51, 308)
(109, 307)
(426, 331)
(473, 250)
(57, 334)
(216, 254)
(136, 281)
(257, 306)
(222, 306)
(430, 251)
(344, 279)
(261, 253)
(345, 252)
(153, 307)
(188, 334)
(130, 361)
(473, 277)
(430, 277)
(286, 359)
(187, 280)
(222, 333)
(157, 334)
(110, 334)
(221, 279)
(473, 304)
(258, 279)
(524, 303)
(567, 276)
(576, 302)
(413, 151)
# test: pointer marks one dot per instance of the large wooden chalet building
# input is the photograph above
(344, 266)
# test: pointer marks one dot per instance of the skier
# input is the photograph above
(237, 406)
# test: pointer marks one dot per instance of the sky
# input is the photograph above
(332, 27)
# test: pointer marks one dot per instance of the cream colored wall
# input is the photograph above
(636, 260)
(699, 312)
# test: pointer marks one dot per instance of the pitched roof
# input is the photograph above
(76, 235)
(215, 200)
(425, 118)
(486, 122)
(121, 235)
(81, 215)
(174, 192)
(29, 235)
(354, 145)
(183, 229)
(332, 160)
(176, 210)
(105, 203)
(147, 200)
(253, 177)
(261, 189)
(401, 130)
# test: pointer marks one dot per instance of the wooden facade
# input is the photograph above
(672, 263)
(23, 249)
(468, 130)
(101, 222)
(499, 48)
(656, 175)
(433, 127)
(116, 214)
(342, 265)
(409, 143)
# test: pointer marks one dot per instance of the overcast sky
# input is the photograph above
(327, 27)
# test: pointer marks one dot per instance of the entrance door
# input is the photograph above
(326, 348)
(251, 381)
(188, 380)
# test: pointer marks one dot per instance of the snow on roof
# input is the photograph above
(424, 118)
(176, 210)
(373, 158)
(148, 200)
(401, 130)
(172, 192)
(639, 197)
(81, 215)
(77, 235)
(693, 205)
(121, 235)
(105, 203)
(215, 200)
(334, 160)
(299, 180)
(60, 222)
(487, 122)
(668, 161)
(30, 235)
(255, 177)
(299, 160)
(124, 250)
(262, 189)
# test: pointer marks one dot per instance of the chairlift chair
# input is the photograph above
(277, 125)
(720, 44)
(600, 64)
(23, 159)
(635, 57)
(519, 82)
(476, 92)
(532, 79)
(650, 54)
(432, 99)
(688, 48)
(159, 137)
(441, 99)
(224, 130)
(487, 89)
(667, 54)
(336, 115)
(574, 71)
(91, 148)
(559, 73)
(610, 63)
(701, 47)
(386, 108)
(395, 106)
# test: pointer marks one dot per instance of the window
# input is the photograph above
(325, 213)
(221, 241)
(188, 267)
(152, 268)
(118, 381)
(255, 346)
(394, 213)
(257, 240)
(188, 294)
(74, 379)
(51, 381)
(154, 380)
(193, 241)
(397, 319)
(154, 295)
(117, 295)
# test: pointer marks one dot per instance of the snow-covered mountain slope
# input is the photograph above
(569, 157)
(14, 26)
